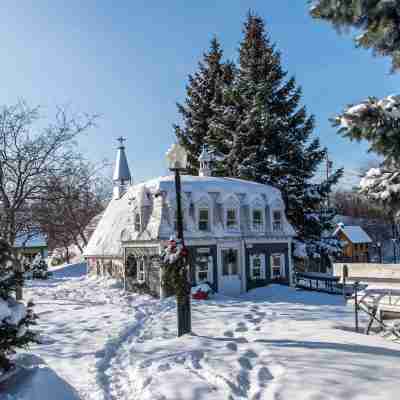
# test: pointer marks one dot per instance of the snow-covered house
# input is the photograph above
(236, 231)
(355, 241)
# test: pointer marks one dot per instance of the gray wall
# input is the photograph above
(267, 249)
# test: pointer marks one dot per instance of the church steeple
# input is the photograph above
(122, 176)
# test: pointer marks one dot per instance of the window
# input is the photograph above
(203, 269)
(257, 266)
(258, 220)
(203, 219)
(277, 220)
(141, 270)
(137, 222)
(231, 218)
(276, 266)
(230, 262)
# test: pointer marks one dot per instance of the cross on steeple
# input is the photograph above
(121, 140)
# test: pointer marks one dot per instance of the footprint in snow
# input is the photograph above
(245, 363)
(241, 327)
(264, 375)
(164, 367)
(229, 334)
(241, 340)
(232, 346)
(250, 354)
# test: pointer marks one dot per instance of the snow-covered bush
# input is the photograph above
(15, 317)
(39, 268)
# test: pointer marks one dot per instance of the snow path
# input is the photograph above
(83, 321)
(272, 343)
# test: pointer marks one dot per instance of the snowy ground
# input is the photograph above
(273, 343)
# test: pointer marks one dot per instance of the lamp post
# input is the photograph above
(177, 162)
(379, 246)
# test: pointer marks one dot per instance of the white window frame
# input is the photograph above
(141, 270)
(258, 227)
(253, 258)
(209, 270)
(235, 226)
(137, 224)
(274, 228)
(281, 266)
(199, 210)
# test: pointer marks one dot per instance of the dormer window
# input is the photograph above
(277, 220)
(258, 220)
(203, 219)
(138, 224)
(231, 218)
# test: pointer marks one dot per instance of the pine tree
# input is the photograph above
(265, 135)
(202, 93)
(377, 20)
(376, 121)
(15, 317)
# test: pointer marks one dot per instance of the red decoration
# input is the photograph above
(184, 252)
(200, 295)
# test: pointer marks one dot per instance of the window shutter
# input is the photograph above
(251, 266)
(210, 269)
(262, 257)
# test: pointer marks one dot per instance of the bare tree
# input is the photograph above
(30, 155)
(73, 199)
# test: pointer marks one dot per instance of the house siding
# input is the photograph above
(267, 249)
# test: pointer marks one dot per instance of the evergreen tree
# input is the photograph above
(265, 135)
(203, 92)
(15, 317)
(377, 20)
(376, 121)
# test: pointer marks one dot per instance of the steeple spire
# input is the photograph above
(205, 160)
(122, 176)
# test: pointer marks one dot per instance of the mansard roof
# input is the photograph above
(117, 221)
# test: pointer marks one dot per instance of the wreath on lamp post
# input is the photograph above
(175, 272)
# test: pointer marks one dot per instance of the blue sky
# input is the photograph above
(129, 60)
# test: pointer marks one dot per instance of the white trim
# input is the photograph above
(201, 242)
(290, 261)
(243, 272)
(267, 241)
(282, 265)
(261, 257)
(210, 271)
(236, 245)
(273, 210)
(139, 272)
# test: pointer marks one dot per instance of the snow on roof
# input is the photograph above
(117, 221)
(354, 233)
(39, 240)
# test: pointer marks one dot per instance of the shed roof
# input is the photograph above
(354, 233)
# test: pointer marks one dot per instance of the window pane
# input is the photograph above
(231, 217)
(276, 261)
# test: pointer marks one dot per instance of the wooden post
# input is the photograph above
(345, 274)
(355, 289)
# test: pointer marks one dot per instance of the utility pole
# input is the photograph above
(329, 165)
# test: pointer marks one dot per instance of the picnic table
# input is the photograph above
(380, 305)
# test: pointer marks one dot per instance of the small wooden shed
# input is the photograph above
(356, 243)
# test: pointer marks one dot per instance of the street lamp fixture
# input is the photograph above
(177, 162)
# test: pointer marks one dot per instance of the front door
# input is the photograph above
(229, 271)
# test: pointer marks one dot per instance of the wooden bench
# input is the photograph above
(319, 282)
